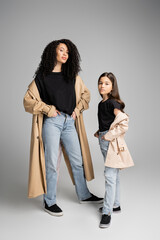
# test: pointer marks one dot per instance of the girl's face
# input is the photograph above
(62, 53)
(104, 86)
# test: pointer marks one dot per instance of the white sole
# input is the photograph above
(53, 213)
(85, 202)
(104, 225)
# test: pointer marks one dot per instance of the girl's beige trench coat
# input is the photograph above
(34, 105)
(118, 155)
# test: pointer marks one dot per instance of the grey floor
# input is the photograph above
(22, 218)
(123, 37)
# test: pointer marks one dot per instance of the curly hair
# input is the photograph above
(114, 94)
(48, 60)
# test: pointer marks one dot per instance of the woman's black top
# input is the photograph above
(106, 113)
(55, 90)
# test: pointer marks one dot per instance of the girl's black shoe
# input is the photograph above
(115, 210)
(105, 221)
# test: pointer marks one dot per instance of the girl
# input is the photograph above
(113, 123)
(56, 98)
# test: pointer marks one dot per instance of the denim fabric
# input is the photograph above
(112, 181)
(56, 129)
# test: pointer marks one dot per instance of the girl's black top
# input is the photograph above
(106, 113)
(55, 90)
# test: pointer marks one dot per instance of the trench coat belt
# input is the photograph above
(120, 148)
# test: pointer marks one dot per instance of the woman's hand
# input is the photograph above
(96, 134)
(73, 115)
(56, 113)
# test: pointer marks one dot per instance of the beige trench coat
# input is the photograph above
(118, 155)
(34, 105)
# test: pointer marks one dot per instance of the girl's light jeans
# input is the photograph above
(112, 182)
(56, 129)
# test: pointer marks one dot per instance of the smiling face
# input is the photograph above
(62, 53)
(104, 86)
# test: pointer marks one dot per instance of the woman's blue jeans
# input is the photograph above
(112, 181)
(56, 129)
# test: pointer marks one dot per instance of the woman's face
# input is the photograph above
(62, 53)
(104, 86)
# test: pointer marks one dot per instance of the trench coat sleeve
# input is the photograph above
(36, 106)
(83, 103)
(119, 129)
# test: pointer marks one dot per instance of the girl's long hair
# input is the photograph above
(115, 92)
(48, 60)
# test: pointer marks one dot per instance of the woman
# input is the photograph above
(57, 98)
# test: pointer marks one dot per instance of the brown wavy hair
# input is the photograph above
(114, 94)
(48, 60)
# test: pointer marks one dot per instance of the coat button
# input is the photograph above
(37, 137)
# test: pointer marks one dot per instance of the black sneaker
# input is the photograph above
(105, 221)
(92, 199)
(54, 210)
(115, 210)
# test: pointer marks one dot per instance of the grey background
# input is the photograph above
(119, 36)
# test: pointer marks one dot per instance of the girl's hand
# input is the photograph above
(103, 138)
(56, 113)
(73, 115)
(96, 135)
